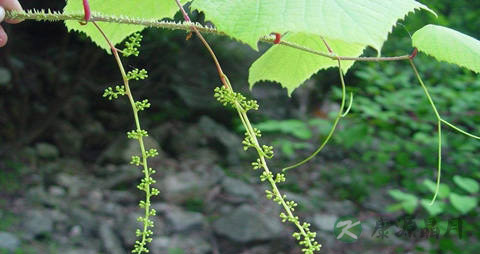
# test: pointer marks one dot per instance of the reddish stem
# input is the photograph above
(278, 38)
(86, 10)
(414, 53)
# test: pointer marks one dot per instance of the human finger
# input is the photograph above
(3, 37)
(11, 5)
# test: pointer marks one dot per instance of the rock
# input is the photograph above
(186, 185)
(56, 191)
(79, 251)
(180, 244)
(246, 224)
(325, 222)
(83, 218)
(37, 223)
(230, 141)
(111, 243)
(74, 183)
(8, 242)
(181, 220)
(239, 188)
(46, 151)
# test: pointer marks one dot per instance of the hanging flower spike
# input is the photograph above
(86, 10)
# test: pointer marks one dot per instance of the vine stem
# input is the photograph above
(440, 120)
(138, 127)
(42, 15)
(248, 126)
(340, 114)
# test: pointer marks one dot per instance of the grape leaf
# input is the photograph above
(448, 45)
(408, 201)
(291, 67)
(147, 9)
(462, 203)
(468, 184)
(434, 209)
(365, 22)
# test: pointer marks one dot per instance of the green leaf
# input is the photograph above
(409, 202)
(291, 67)
(448, 45)
(434, 209)
(364, 22)
(443, 190)
(146, 9)
(467, 184)
(297, 128)
(464, 204)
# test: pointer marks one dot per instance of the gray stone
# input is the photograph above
(37, 222)
(46, 151)
(80, 251)
(186, 185)
(8, 241)
(325, 222)
(248, 224)
(217, 131)
(181, 220)
(111, 243)
(239, 188)
(75, 184)
(180, 244)
(83, 218)
(56, 191)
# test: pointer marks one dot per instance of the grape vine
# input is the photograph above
(299, 39)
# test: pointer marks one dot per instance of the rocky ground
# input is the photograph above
(210, 201)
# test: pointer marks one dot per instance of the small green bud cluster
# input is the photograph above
(137, 134)
(113, 94)
(229, 97)
(142, 105)
(132, 45)
(309, 243)
(137, 74)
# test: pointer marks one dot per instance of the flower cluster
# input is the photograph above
(132, 45)
(305, 237)
(144, 233)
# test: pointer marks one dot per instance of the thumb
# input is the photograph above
(2, 13)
